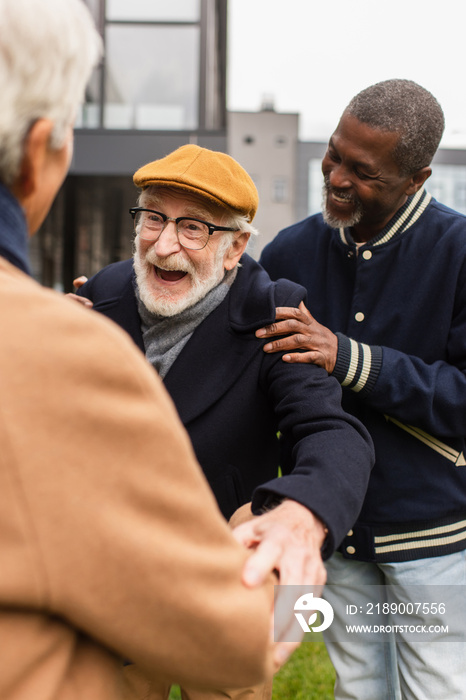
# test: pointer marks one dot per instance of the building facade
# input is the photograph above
(161, 84)
(266, 145)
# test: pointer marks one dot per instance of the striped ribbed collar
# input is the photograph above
(405, 217)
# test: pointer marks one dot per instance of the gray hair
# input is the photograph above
(406, 108)
(47, 51)
(150, 197)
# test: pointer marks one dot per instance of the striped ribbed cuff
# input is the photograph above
(358, 365)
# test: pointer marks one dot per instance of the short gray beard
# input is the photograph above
(335, 222)
(203, 280)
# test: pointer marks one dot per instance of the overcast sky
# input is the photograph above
(312, 56)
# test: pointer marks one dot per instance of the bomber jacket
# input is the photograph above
(398, 306)
(233, 398)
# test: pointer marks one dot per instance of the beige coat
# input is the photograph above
(111, 544)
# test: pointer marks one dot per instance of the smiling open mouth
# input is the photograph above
(170, 275)
(343, 198)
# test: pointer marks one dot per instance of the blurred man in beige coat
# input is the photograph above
(99, 487)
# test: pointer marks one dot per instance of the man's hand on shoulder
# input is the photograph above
(301, 332)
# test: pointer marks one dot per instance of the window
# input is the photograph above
(460, 196)
(316, 182)
(155, 75)
(153, 10)
(152, 77)
(280, 189)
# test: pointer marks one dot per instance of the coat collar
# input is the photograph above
(251, 301)
(13, 231)
(404, 218)
(249, 304)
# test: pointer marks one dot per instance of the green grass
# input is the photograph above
(308, 675)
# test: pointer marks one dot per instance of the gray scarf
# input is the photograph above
(165, 336)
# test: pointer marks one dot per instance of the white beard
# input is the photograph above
(166, 301)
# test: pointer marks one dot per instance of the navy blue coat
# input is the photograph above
(233, 399)
(401, 299)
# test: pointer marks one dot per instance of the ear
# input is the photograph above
(236, 250)
(34, 153)
(417, 180)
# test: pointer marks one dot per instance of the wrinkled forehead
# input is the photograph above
(195, 205)
(363, 132)
(364, 143)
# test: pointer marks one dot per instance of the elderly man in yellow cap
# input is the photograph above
(191, 299)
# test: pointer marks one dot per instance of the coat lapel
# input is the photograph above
(210, 363)
(220, 348)
(123, 310)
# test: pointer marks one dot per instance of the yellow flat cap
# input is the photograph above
(211, 174)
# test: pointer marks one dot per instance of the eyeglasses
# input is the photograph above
(193, 234)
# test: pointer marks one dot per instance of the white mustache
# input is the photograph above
(172, 262)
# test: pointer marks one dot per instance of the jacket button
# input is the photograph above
(351, 550)
(359, 316)
(350, 254)
(350, 533)
(367, 254)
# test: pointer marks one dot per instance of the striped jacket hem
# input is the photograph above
(405, 541)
